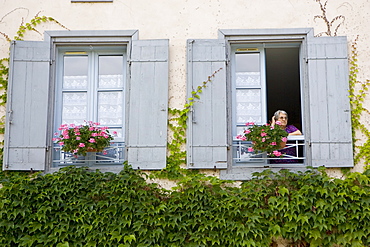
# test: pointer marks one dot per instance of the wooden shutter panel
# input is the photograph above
(148, 102)
(330, 138)
(27, 106)
(207, 123)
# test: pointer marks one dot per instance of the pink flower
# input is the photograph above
(278, 122)
(91, 140)
(240, 137)
(247, 131)
(78, 138)
(276, 153)
(263, 139)
(272, 127)
(284, 139)
(94, 134)
(273, 143)
(56, 133)
(56, 139)
(66, 137)
(263, 134)
(91, 128)
(249, 123)
(114, 132)
(105, 153)
(61, 143)
(81, 145)
(250, 150)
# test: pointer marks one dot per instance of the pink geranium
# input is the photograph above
(277, 153)
(263, 134)
(284, 139)
(81, 139)
(247, 131)
(273, 143)
(250, 149)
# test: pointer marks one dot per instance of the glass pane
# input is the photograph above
(248, 69)
(74, 108)
(110, 71)
(248, 106)
(110, 108)
(75, 72)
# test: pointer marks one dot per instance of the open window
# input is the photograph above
(265, 77)
(265, 71)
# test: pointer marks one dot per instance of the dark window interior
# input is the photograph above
(283, 83)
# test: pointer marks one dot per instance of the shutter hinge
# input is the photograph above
(51, 62)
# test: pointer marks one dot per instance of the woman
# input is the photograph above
(282, 117)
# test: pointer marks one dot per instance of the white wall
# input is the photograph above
(187, 19)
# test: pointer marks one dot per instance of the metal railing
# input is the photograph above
(112, 155)
(293, 152)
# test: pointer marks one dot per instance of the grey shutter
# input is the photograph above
(207, 123)
(27, 106)
(330, 138)
(148, 102)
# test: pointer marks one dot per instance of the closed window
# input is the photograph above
(109, 77)
(90, 87)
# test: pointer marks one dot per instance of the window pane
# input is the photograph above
(75, 72)
(248, 69)
(248, 106)
(74, 108)
(110, 108)
(110, 71)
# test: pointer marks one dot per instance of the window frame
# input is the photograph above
(323, 147)
(92, 91)
(32, 77)
(62, 40)
(260, 47)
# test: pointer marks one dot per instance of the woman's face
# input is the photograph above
(283, 119)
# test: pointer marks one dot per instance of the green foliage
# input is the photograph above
(357, 94)
(78, 207)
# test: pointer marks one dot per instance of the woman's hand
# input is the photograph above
(273, 121)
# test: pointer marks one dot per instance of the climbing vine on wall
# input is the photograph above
(4, 62)
(357, 93)
(335, 23)
(177, 124)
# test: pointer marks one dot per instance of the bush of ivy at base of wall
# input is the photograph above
(79, 207)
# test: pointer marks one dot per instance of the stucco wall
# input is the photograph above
(188, 19)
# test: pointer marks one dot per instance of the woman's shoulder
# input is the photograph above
(291, 128)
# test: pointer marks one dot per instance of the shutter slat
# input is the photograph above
(148, 103)
(207, 125)
(27, 106)
(330, 119)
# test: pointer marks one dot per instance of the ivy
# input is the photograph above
(357, 94)
(79, 207)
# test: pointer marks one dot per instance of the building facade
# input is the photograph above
(124, 63)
